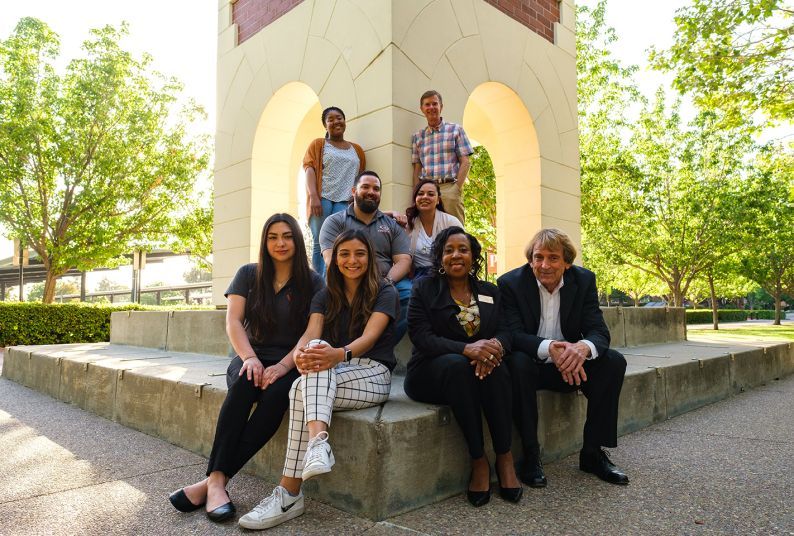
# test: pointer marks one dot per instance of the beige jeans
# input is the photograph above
(453, 200)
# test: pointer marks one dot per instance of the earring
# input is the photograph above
(441, 271)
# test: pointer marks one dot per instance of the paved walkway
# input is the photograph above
(725, 468)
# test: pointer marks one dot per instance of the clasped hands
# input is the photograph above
(484, 355)
(261, 375)
(317, 358)
(569, 358)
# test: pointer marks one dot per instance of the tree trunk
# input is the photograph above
(715, 317)
(778, 305)
(49, 288)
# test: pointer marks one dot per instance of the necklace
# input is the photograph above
(466, 297)
(279, 284)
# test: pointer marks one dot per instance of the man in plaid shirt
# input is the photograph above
(440, 152)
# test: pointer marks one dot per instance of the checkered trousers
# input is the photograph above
(439, 150)
(357, 384)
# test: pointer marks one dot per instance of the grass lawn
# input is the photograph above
(751, 333)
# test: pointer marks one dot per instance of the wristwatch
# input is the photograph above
(348, 354)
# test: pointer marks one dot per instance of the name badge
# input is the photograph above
(485, 299)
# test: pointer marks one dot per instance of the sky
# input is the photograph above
(181, 35)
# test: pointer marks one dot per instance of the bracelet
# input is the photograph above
(283, 365)
(246, 358)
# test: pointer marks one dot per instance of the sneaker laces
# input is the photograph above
(263, 505)
(314, 454)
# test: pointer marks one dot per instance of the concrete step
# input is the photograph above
(394, 457)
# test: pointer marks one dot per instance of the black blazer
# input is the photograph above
(433, 326)
(580, 315)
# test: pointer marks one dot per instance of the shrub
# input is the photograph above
(38, 323)
(703, 316)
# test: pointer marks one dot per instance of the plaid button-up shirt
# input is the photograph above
(439, 150)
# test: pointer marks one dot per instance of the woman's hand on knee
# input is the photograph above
(319, 358)
(273, 373)
(254, 370)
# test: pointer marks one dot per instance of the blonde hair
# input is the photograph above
(552, 238)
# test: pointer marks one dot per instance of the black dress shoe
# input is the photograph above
(597, 462)
(223, 512)
(531, 473)
(180, 501)
(478, 498)
(512, 495)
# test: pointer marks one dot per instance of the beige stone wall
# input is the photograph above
(513, 90)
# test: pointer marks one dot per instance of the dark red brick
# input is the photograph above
(250, 16)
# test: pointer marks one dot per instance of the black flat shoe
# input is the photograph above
(223, 512)
(478, 498)
(598, 463)
(531, 473)
(512, 495)
(180, 501)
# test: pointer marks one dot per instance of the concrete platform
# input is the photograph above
(381, 451)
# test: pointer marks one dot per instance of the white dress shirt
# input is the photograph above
(549, 326)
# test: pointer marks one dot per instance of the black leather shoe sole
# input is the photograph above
(180, 501)
(223, 512)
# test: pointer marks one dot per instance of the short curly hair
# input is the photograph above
(441, 240)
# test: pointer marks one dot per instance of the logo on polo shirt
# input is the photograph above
(384, 229)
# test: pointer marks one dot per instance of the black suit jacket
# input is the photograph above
(580, 315)
(434, 328)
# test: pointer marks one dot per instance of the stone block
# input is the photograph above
(44, 374)
(188, 414)
(651, 325)
(613, 316)
(16, 364)
(100, 393)
(139, 328)
(72, 389)
(693, 384)
(560, 427)
(642, 400)
(201, 332)
(138, 401)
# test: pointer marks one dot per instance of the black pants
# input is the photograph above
(239, 433)
(449, 379)
(602, 389)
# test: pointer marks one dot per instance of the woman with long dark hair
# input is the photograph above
(331, 164)
(426, 218)
(349, 368)
(268, 310)
(459, 344)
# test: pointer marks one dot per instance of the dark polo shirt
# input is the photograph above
(386, 235)
(286, 336)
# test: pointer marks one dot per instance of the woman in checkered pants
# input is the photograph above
(349, 368)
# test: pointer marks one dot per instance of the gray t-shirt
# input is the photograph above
(386, 235)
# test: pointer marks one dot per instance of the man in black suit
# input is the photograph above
(561, 343)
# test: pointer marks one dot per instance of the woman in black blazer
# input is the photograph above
(459, 344)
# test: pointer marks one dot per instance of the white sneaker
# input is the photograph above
(274, 509)
(319, 457)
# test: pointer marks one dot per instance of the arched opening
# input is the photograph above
(496, 117)
(290, 120)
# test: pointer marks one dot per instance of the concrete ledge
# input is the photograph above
(391, 458)
(140, 328)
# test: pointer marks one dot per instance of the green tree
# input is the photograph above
(768, 245)
(735, 56)
(197, 275)
(93, 159)
(673, 214)
(480, 199)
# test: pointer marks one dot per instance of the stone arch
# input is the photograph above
(496, 117)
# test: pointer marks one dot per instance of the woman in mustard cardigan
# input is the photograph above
(331, 165)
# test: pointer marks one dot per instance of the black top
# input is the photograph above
(580, 315)
(387, 302)
(285, 337)
(433, 324)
